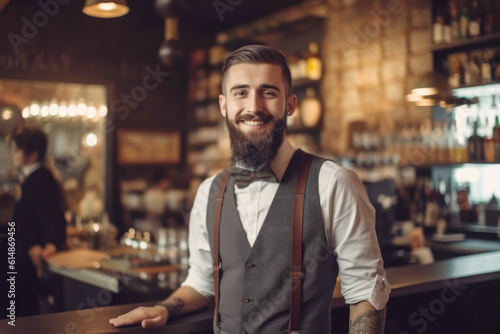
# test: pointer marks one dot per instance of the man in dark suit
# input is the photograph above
(38, 216)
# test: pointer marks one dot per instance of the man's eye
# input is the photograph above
(239, 93)
(269, 93)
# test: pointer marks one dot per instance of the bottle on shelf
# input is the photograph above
(438, 27)
(455, 19)
(475, 146)
(487, 18)
(313, 62)
(310, 109)
(474, 20)
(464, 21)
(496, 140)
(486, 67)
(447, 34)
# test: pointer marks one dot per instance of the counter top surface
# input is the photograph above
(407, 280)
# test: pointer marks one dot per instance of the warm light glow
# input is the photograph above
(7, 114)
(91, 139)
(34, 109)
(425, 102)
(26, 112)
(107, 6)
(91, 112)
(53, 109)
(44, 111)
(72, 110)
(425, 91)
(103, 111)
(81, 109)
(96, 227)
(63, 111)
(413, 97)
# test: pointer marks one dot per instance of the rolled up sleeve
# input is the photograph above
(200, 273)
(350, 227)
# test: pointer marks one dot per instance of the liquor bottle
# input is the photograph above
(437, 27)
(310, 109)
(488, 18)
(475, 146)
(494, 66)
(464, 22)
(447, 37)
(496, 139)
(455, 18)
(486, 67)
(474, 20)
(313, 62)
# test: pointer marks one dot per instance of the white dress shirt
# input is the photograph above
(349, 221)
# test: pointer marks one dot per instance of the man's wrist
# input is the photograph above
(173, 305)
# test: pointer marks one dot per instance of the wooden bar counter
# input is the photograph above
(407, 282)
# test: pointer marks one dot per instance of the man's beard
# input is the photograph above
(255, 149)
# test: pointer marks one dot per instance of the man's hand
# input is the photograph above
(48, 251)
(148, 317)
(183, 300)
(365, 319)
(35, 253)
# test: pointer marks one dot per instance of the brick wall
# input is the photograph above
(373, 52)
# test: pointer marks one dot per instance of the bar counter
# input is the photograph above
(406, 282)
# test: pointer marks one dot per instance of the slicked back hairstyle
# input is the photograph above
(31, 139)
(258, 54)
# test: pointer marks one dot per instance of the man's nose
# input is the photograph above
(254, 103)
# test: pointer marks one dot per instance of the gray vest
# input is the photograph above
(255, 281)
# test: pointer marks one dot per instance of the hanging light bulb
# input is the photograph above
(106, 8)
(103, 111)
(34, 109)
(26, 112)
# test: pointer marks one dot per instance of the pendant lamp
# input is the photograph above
(106, 8)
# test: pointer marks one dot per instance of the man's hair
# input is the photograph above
(31, 139)
(258, 54)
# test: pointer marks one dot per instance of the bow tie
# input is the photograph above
(243, 177)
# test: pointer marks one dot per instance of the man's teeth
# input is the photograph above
(253, 123)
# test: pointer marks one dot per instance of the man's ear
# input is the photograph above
(222, 105)
(291, 105)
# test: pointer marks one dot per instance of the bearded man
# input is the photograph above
(269, 235)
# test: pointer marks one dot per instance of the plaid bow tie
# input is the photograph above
(243, 177)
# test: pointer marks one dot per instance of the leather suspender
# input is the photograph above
(296, 272)
(216, 255)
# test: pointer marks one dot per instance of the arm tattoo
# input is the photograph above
(173, 305)
(369, 322)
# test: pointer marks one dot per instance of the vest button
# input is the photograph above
(246, 300)
(249, 265)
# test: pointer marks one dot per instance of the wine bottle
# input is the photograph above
(475, 146)
(437, 27)
(474, 20)
(455, 18)
(313, 62)
(464, 22)
(496, 139)
(486, 68)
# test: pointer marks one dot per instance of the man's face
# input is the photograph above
(254, 106)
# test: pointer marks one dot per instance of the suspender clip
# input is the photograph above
(296, 274)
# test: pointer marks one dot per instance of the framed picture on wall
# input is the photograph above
(144, 147)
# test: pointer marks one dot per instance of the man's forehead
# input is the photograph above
(260, 72)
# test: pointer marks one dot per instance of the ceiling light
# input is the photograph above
(106, 8)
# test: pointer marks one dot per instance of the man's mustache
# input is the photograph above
(257, 116)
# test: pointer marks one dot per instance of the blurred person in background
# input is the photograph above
(38, 215)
